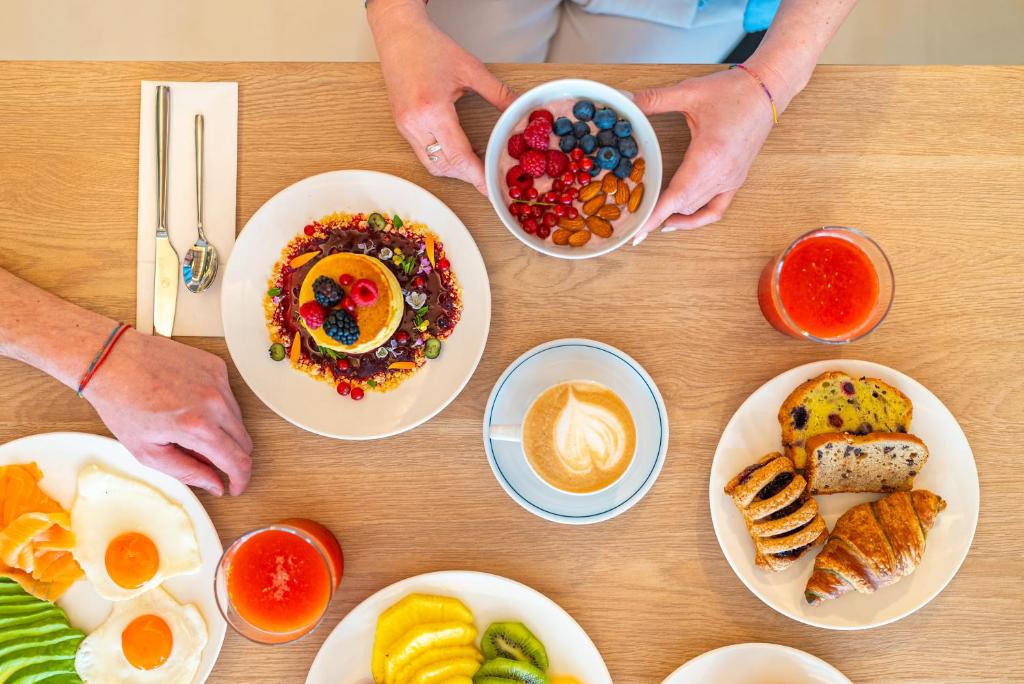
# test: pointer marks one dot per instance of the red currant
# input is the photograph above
(515, 192)
(568, 178)
(550, 218)
(558, 185)
(571, 212)
(530, 225)
(565, 198)
(419, 281)
(513, 208)
(348, 304)
(560, 210)
(309, 230)
(443, 264)
(576, 154)
(550, 195)
(344, 388)
(572, 192)
(346, 279)
(531, 194)
(537, 210)
(586, 164)
(343, 364)
(402, 337)
(583, 178)
(357, 393)
(544, 232)
(574, 167)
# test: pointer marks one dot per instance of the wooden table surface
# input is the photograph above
(929, 161)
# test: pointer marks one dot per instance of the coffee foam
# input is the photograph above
(588, 435)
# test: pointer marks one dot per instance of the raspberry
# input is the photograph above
(313, 314)
(557, 161)
(364, 292)
(518, 178)
(542, 114)
(516, 145)
(534, 162)
(538, 134)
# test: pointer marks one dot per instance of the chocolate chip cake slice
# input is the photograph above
(877, 462)
(837, 402)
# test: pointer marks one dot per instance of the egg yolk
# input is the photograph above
(146, 642)
(132, 560)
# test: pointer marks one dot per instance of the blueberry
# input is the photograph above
(567, 143)
(588, 143)
(606, 138)
(580, 129)
(583, 110)
(595, 169)
(622, 128)
(608, 158)
(562, 126)
(604, 118)
(623, 168)
(627, 147)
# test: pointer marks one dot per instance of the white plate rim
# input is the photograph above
(652, 476)
(408, 583)
(813, 369)
(707, 655)
(485, 293)
(111, 451)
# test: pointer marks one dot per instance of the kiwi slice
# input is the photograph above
(506, 670)
(376, 221)
(432, 348)
(514, 641)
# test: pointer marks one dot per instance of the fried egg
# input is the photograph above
(147, 639)
(128, 536)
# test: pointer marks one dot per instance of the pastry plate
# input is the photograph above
(576, 359)
(950, 472)
(60, 455)
(314, 405)
(344, 657)
(756, 664)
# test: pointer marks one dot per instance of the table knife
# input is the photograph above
(165, 273)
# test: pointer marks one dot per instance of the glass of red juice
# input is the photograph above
(832, 285)
(274, 584)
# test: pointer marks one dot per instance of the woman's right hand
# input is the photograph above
(426, 72)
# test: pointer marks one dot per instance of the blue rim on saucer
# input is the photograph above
(576, 359)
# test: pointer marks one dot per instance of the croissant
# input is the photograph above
(781, 517)
(874, 545)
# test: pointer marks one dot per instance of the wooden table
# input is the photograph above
(930, 161)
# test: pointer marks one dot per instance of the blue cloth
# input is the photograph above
(759, 14)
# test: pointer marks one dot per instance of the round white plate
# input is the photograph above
(756, 664)
(314, 405)
(576, 359)
(344, 657)
(950, 472)
(60, 455)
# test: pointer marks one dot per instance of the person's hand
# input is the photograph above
(172, 407)
(729, 119)
(426, 72)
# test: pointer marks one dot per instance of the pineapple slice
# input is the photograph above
(425, 637)
(432, 657)
(414, 609)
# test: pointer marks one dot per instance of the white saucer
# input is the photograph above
(576, 359)
(756, 664)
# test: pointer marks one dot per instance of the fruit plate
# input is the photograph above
(344, 657)
(576, 359)
(314, 405)
(564, 89)
(950, 472)
(748, 663)
(60, 455)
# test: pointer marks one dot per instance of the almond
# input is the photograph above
(590, 191)
(609, 183)
(637, 174)
(572, 224)
(622, 192)
(609, 212)
(561, 236)
(599, 227)
(579, 238)
(592, 205)
(635, 197)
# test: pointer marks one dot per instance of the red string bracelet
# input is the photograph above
(760, 82)
(102, 355)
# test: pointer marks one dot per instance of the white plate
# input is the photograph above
(60, 455)
(756, 664)
(314, 405)
(574, 88)
(344, 657)
(950, 472)
(576, 359)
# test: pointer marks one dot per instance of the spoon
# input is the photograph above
(199, 267)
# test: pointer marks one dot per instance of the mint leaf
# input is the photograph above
(274, 291)
(371, 383)
(397, 222)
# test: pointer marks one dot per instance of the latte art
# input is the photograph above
(579, 436)
(588, 436)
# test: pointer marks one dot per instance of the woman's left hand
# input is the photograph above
(729, 118)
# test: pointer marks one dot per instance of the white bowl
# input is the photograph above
(601, 94)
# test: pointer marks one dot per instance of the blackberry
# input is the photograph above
(562, 126)
(608, 158)
(605, 118)
(588, 143)
(583, 110)
(339, 325)
(623, 169)
(567, 143)
(327, 291)
(622, 128)
(606, 139)
(627, 147)
(580, 129)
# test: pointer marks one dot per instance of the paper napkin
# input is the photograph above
(197, 315)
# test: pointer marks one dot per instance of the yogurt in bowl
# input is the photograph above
(573, 168)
